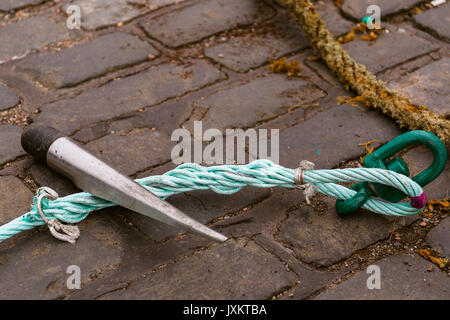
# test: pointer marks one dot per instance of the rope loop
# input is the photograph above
(41, 194)
(59, 230)
(299, 180)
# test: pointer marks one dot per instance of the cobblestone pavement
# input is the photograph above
(137, 70)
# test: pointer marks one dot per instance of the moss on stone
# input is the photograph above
(357, 78)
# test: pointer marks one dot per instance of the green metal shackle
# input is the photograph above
(378, 158)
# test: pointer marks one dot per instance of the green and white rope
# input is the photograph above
(226, 179)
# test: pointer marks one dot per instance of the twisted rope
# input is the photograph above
(225, 179)
(356, 77)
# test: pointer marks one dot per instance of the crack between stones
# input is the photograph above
(189, 44)
(145, 108)
(157, 268)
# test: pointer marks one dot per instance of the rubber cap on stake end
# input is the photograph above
(36, 140)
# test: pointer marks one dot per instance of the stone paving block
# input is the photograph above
(403, 277)
(200, 20)
(436, 20)
(389, 49)
(428, 86)
(16, 199)
(242, 105)
(234, 270)
(133, 152)
(93, 132)
(128, 94)
(46, 177)
(333, 136)
(336, 24)
(309, 279)
(156, 170)
(321, 77)
(321, 69)
(439, 238)
(86, 61)
(19, 38)
(165, 117)
(141, 255)
(36, 267)
(264, 217)
(10, 147)
(420, 158)
(357, 9)
(103, 13)
(8, 99)
(7, 5)
(322, 237)
(203, 206)
(17, 168)
(252, 50)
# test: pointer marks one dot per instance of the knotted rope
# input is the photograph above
(356, 77)
(229, 179)
(57, 229)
